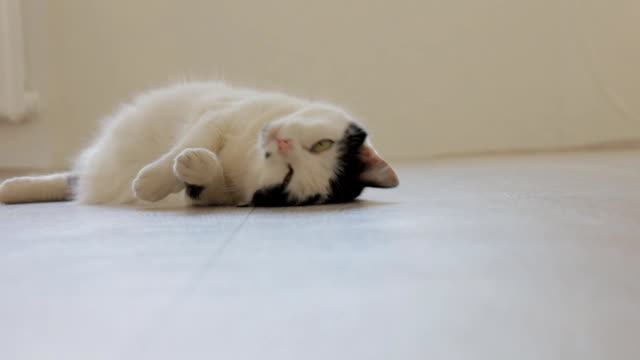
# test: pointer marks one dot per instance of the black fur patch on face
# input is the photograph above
(346, 186)
(193, 191)
(275, 195)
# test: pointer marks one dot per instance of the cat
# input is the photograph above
(222, 145)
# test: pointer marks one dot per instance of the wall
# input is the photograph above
(28, 145)
(428, 77)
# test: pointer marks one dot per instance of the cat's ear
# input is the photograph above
(376, 173)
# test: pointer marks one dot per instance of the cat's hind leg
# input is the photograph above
(201, 172)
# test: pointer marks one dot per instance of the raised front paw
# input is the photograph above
(153, 183)
(196, 166)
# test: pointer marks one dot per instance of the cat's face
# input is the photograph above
(317, 156)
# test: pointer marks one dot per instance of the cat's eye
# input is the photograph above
(322, 145)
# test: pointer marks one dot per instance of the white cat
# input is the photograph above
(223, 146)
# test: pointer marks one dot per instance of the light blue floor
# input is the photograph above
(518, 258)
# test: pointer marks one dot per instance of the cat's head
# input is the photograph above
(318, 155)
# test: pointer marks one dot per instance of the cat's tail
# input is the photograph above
(25, 189)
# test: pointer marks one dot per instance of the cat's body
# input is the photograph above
(224, 145)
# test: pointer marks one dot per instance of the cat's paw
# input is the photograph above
(154, 184)
(196, 166)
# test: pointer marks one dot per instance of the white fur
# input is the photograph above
(54, 187)
(206, 133)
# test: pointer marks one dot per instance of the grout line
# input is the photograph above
(140, 342)
(215, 255)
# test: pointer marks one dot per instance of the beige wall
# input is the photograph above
(28, 144)
(428, 77)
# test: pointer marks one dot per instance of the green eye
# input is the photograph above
(322, 145)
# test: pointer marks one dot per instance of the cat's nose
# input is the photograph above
(284, 145)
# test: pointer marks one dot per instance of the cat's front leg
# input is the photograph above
(203, 176)
(196, 166)
(157, 180)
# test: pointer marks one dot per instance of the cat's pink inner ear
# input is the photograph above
(377, 172)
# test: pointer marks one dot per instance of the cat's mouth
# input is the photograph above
(274, 195)
(287, 178)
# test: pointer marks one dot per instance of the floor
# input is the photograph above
(504, 257)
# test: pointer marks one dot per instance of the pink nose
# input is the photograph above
(284, 145)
